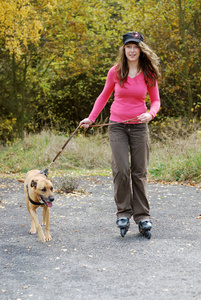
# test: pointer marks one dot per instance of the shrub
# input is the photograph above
(7, 130)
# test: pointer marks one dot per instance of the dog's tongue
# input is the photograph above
(49, 204)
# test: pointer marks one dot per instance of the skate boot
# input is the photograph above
(145, 227)
(123, 223)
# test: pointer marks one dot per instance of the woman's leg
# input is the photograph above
(121, 169)
(139, 147)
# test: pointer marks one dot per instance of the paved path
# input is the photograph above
(87, 258)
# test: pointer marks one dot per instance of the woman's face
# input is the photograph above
(132, 52)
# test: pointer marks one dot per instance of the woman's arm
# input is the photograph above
(155, 99)
(155, 105)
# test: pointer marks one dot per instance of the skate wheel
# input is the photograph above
(148, 234)
(123, 232)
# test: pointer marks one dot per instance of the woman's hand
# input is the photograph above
(145, 118)
(86, 123)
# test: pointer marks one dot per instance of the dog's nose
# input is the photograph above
(51, 199)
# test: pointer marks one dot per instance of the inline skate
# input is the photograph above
(145, 227)
(123, 223)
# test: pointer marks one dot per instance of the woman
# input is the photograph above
(135, 73)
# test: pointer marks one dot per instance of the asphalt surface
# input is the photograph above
(88, 259)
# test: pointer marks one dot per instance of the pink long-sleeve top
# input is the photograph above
(129, 101)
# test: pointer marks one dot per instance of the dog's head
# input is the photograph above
(44, 190)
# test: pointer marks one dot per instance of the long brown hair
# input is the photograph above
(148, 63)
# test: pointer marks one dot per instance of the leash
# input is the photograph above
(107, 124)
(45, 172)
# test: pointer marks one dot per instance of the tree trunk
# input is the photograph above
(22, 117)
(15, 98)
(185, 55)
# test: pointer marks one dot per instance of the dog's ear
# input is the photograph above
(33, 183)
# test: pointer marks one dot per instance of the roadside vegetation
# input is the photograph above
(175, 153)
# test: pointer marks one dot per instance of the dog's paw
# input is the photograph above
(48, 238)
(43, 239)
(32, 231)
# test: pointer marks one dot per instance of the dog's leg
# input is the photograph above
(46, 216)
(43, 222)
(33, 227)
(37, 224)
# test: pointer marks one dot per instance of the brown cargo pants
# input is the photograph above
(130, 158)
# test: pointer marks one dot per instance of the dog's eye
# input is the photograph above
(51, 188)
(43, 190)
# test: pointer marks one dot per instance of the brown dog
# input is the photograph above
(38, 190)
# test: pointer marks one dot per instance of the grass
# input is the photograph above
(89, 155)
(177, 160)
(176, 152)
(175, 156)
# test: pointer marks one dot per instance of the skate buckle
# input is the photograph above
(123, 222)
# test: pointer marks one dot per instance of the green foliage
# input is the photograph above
(7, 130)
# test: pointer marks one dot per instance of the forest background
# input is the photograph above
(54, 59)
(55, 55)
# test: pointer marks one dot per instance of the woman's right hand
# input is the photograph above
(86, 123)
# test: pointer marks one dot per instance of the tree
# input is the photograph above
(20, 29)
(172, 28)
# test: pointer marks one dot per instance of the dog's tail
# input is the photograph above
(20, 180)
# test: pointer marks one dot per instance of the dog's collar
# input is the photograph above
(33, 202)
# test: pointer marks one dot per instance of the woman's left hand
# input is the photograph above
(145, 118)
